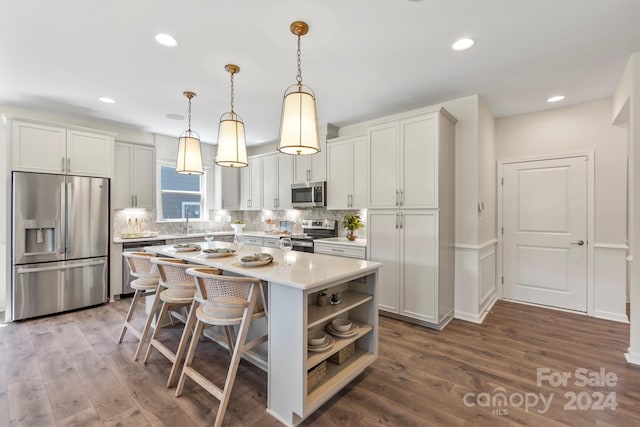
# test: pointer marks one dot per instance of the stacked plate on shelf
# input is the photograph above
(342, 328)
(319, 341)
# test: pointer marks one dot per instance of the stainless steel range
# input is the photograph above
(313, 229)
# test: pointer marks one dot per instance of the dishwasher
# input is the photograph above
(133, 247)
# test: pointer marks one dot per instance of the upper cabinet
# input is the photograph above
(404, 160)
(134, 176)
(347, 171)
(226, 188)
(277, 173)
(251, 185)
(45, 148)
(313, 168)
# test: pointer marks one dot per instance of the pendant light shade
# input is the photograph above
(299, 122)
(232, 145)
(189, 152)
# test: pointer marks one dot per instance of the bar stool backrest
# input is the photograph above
(225, 296)
(173, 273)
(140, 264)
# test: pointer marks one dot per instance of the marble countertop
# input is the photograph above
(305, 271)
(169, 236)
(343, 241)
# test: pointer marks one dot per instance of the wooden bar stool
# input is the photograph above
(224, 301)
(176, 290)
(145, 284)
(156, 302)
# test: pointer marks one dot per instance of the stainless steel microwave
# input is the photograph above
(309, 195)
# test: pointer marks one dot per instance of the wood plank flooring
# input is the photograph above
(67, 370)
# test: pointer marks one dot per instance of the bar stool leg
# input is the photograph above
(182, 347)
(190, 354)
(147, 325)
(163, 311)
(132, 307)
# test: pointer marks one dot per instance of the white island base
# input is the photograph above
(293, 313)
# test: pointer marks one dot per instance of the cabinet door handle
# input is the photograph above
(136, 198)
(62, 164)
(397, 226)
(132, 204)
(68, 164)
(397, 198)
(401, 198)
(337, 250)
(401, 220)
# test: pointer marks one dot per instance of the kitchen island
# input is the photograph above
(300, 380)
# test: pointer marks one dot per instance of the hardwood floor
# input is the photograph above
(66, 370)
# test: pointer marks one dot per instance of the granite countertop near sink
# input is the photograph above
(342, 241)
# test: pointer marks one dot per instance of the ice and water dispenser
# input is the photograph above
(39, 237)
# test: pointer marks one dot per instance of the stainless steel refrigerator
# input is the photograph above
(60, 243)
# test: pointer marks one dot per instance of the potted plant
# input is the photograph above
(322, 298)
(352, 223)
(237, 226)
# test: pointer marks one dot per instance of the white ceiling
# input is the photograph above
(363, 58)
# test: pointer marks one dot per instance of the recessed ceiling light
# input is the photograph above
(166, 40)
(463, 44)
(106, 100)
(174, 116)
(555, 98)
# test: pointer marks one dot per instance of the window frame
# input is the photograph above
(204, 202)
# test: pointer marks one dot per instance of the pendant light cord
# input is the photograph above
(232, 92)
(189, 113)
(299, 75)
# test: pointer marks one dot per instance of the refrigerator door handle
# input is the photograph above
(62, 233)
(23, 270)
(69, 203)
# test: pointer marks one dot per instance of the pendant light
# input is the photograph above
(299, 123)
(232, 146)
(189, 152)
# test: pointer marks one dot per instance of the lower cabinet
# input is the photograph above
(349, 251)
(416, 280)
(253, 240)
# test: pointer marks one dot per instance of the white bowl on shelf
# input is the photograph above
(317, 338)
(341, 325)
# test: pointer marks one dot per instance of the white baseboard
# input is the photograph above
(616, 317)
(476, 317)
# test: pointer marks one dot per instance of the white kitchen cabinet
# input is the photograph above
(253, 240)
(47, 148)
(277, 172)
(405, 160)
(312, 168)
(251, 185)
(341, 250)
(226, 184)
(271, 242)
(134, 179)
(416, 280)
(347, 172)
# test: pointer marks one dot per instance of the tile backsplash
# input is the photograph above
(145, 220)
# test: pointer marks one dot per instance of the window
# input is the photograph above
(182, 195)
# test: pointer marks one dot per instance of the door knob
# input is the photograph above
(579, 243)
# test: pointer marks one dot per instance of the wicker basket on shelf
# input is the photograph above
(316, 375)
(340, 357)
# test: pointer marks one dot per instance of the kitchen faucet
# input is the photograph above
(186, 225)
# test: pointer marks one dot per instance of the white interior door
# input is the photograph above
(545, 232)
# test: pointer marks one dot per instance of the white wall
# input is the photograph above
(577, 129)
(486, 173)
